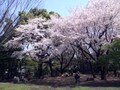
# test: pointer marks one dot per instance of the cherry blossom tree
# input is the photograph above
(38, 42)
(90, 28)
(87, 28)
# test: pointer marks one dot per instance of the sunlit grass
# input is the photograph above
(11, 86)
(96, 88)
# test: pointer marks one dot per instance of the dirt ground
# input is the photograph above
(70, 81)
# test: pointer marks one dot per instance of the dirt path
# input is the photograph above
(70, 81)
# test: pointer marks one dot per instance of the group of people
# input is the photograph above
(75, 75)
(17, 79)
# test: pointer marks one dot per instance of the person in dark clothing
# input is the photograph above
(77, 77)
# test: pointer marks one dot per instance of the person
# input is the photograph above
(16, 79)
(77, 77)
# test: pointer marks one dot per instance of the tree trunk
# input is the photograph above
(61, 67)
(40, 70)
(92, 70)
(2, 76)
(115, 73)
(51, 69)
(61, 71)
(103, 73)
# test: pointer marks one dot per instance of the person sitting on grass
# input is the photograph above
(16, 79)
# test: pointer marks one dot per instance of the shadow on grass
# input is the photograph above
(72, 84)
(111, 83)
(100, 84)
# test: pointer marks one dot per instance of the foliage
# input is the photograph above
(34, 13)
(114, 54)
(103, 61)
(29, 64)
(8, 64)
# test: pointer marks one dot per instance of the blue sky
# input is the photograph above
(62, 6)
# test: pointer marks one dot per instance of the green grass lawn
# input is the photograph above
(11, 86)
(96, 88)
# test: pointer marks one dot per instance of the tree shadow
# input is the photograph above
(112, 83)
(70, 82)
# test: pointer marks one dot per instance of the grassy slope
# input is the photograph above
(11, 86)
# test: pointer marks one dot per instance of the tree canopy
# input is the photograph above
(35, 13)
(62, 41)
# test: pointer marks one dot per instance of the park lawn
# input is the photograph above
(96, 88)
(11, 86)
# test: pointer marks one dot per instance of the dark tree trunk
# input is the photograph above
(61, 67)
(103, 73)
(61, 70)
(51, 69)
(2, 75)
(115, 73)
(92, 70)
(40, 70)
